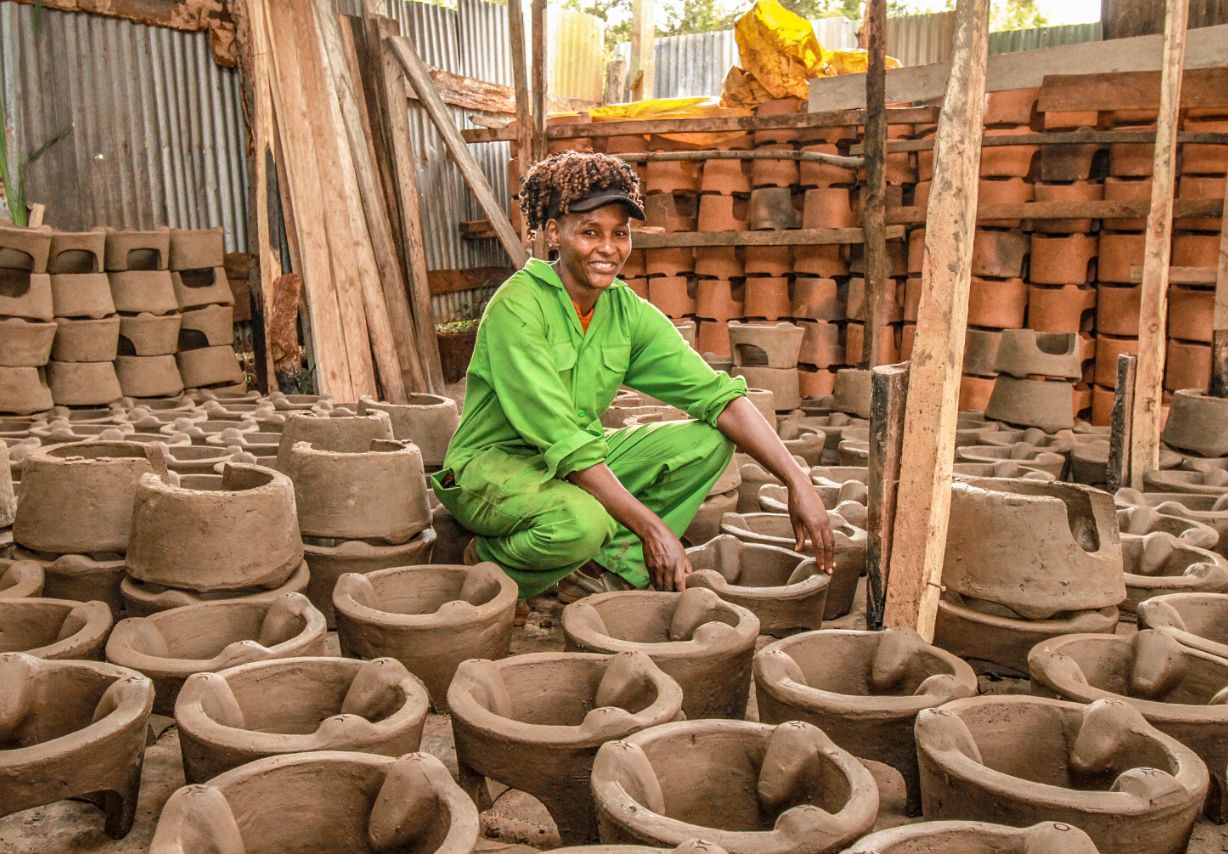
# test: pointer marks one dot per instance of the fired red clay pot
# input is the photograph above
(721, 213)
(820, 348)
(1173, 687)
(1064, 308)
(828, 208)
(767, 260)
(1129, 189)
(1118, 252)
(671, 211)
(1069, 162)
(819, 260)
(430, 618)
(54, 628)
(725, 176)
(671, 294)
(1191, 314)
(170, 646)
(999, 254)
(1199, 158)
(817, 299)
(736, 784)
(997, 304)
(773, 173)
(297, 705)
(814, 383)
(73, 729)
(1187, 366)
(333, 800)
(1077, 191)
(816, 174)
(1010, 107)
(718, 262)
(1061, 260)
(534, 723)
(672, 261)
(1198, 187)
(773, 208)
(863, 689)
(704, 643)
(20, 579)
(1081, 765)
(717, 299)
(712, 337)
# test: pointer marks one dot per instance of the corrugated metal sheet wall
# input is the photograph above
(921, 39)
(1013, 41)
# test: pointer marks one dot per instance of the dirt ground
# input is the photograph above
(71, 826)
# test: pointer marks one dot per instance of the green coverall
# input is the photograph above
(536, 388)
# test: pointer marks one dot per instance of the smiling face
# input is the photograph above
(593, 246)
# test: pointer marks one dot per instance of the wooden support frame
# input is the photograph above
(888, 395)
(541, 82)
(789, 237)
(643, 49)
(1066, 137)
(924, 496)
(1219, 335)
(520, 83)
(1157, 253)
(874, 210)
(1118, 473)
(415, 71)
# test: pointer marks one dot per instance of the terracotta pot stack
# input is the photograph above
(26, 320)
(206, 355)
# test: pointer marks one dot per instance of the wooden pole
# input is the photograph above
(541, 83)
(924, 495)
(524, 107)
(1118, 474)
(416, 71)
(874, 212)
(888, 394)
(643, 31)
(1219, 341)
(1157, 252)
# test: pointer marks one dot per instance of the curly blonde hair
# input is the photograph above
(551, 185)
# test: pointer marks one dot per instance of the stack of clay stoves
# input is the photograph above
(766, 355)
(82, 367)
(1033, 387)
(26, 325)
(149, 315)
(206, 332)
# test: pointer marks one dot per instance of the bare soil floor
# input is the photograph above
(71, 826)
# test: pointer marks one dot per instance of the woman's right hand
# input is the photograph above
(665, 558)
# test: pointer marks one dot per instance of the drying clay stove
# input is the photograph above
(20, 579)
(1157, 564)
(1025, 561)
(71, 729)
(1195, 620)
(1180, 691)
(297, 705)
(703, 642)
(170, 646)
(429, 618)
(328, 801)
(1102, 768)
(54, 628)
(864, 689)
(747, 787)
(535, 722)
(976, 837)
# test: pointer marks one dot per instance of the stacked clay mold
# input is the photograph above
(206, 355)
(26, 320)
(82, 370)
(137, 263)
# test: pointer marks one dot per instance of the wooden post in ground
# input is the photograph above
(524, 107)
(1219, 342)
(1118, 474)
(415, 69)
(643, 31)
(924, 495)
(540, 84)
(1157, 253)
(879, 287)
(888, 394)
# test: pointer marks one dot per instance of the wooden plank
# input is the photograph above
(409, 204)
(1181, 275)
(888, 395)
(257, 102)
(1058, 138)
(643, 62)
(1157, 253)
(415, 70)
(540, 83)
(299, 180)
(790, 237)
(1096, 209)
(524, 108)
(454, 281)
(186, 15)
(1130, 90)
(1206, 47)
(753, 154)
(719, 124)
(874, 209)
(476, 229)
(1118, 473)
(388, 320)
(1219, 334)
(924, 496)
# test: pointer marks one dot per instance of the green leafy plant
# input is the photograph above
(13, 172)
(456, 327)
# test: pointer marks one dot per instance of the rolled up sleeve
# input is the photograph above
(524, 376)
(666, 367)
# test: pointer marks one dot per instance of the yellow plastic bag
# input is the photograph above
(674, 108)
(852, 62)
(779, 49)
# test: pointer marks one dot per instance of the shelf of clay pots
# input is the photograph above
(776, 237)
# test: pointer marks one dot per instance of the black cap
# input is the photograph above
(601, 198)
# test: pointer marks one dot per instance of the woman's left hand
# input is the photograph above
(809, 519)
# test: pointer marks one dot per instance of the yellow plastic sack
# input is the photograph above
(852, 62)
(779, 48)
(674, 108)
